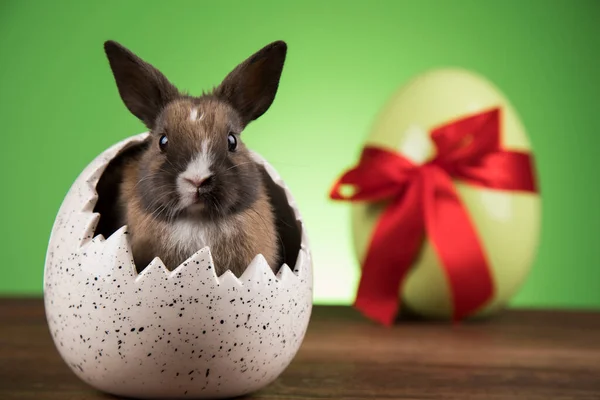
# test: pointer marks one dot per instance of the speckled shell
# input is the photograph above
(508, 223)
(180, 334)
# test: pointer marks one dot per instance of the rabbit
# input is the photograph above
(194, 183)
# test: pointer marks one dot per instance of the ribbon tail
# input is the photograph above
(396, 241)
(456, 242)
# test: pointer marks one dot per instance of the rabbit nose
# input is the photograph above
(199, 182)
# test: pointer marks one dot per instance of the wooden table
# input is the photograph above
(516, 355)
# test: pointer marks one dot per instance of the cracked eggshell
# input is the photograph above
(178, 334)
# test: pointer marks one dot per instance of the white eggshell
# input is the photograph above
(180, 334)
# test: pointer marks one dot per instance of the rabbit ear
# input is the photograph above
(251, 87)
(143, 88)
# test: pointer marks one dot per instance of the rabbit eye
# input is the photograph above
(231, 142)
(162, 142)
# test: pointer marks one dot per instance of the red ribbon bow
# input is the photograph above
(422, 199)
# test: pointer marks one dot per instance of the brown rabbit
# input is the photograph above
(194, 183)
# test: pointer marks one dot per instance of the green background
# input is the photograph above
(60, 108)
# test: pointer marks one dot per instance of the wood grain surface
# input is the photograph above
(529, 355)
